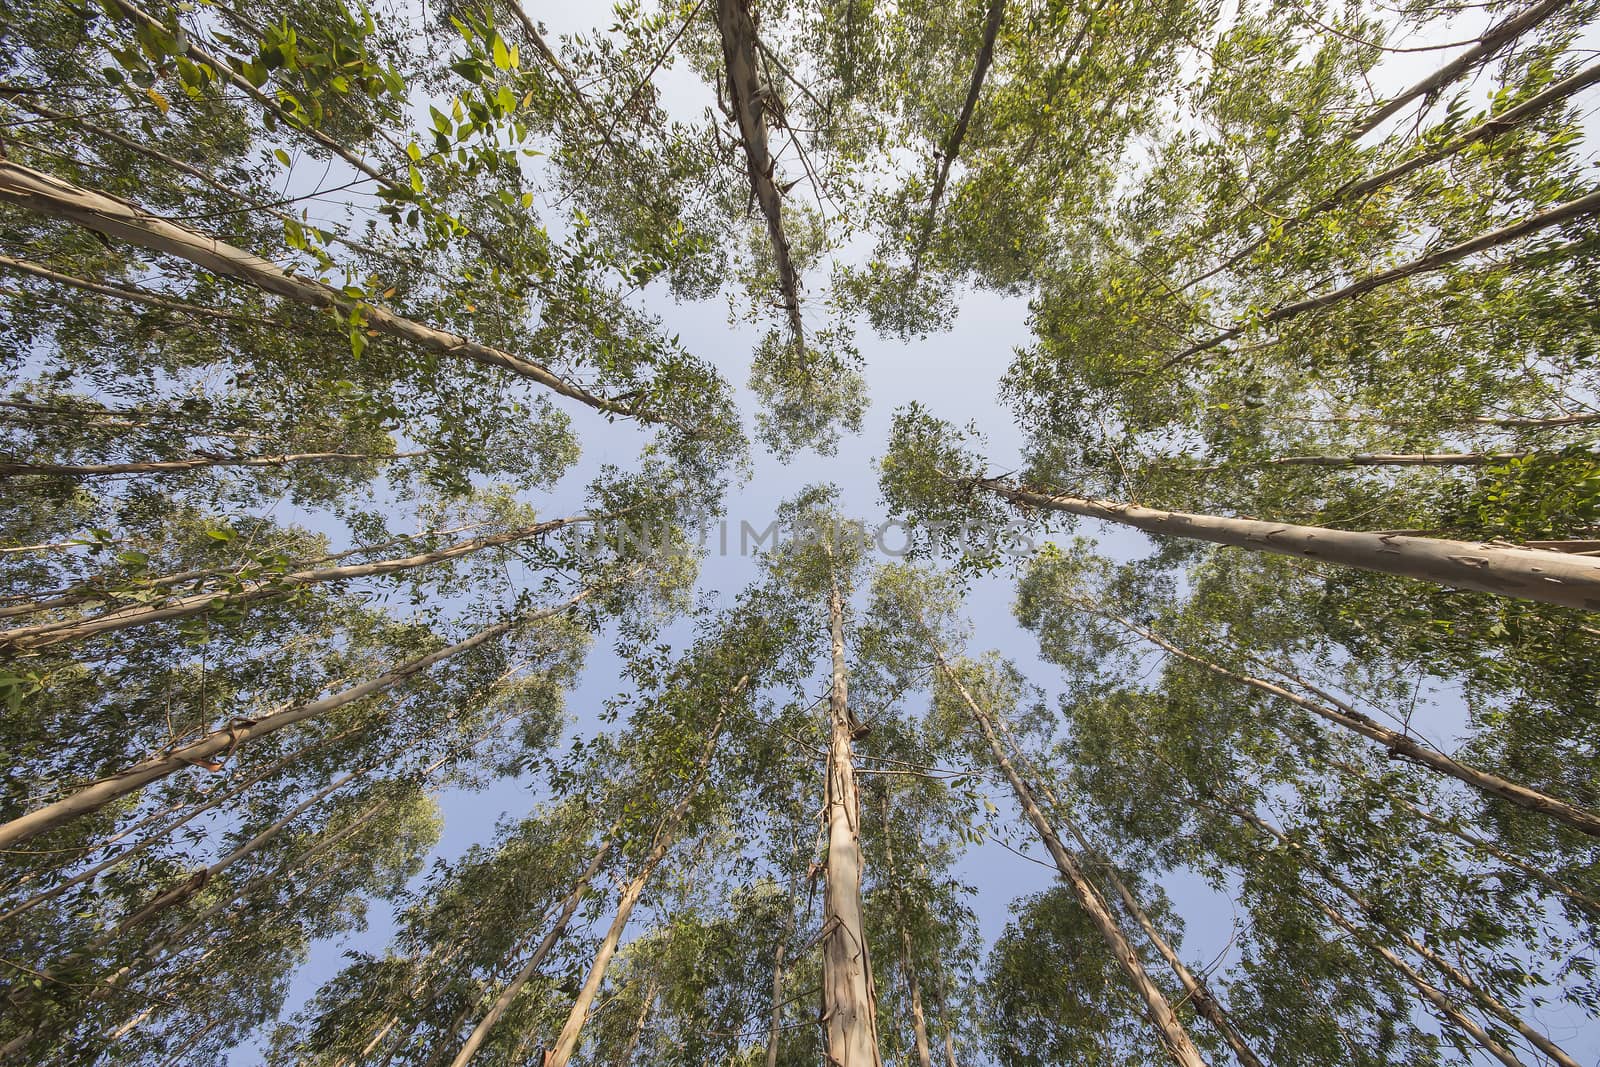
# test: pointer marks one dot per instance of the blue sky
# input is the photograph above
(954, 374)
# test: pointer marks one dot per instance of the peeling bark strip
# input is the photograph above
(952, 146)
(165, 466)
(1496, 38)
(849, 1006)
(1174, 1038)
(43, 635)
(1532, 574)
(1398, 744)
(747, 95)
(46, 195)
(1572, 209)
(97, 795)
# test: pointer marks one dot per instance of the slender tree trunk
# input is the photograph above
(919, 1022)
(1489, 129)
(166, 466)
(1195, 988)
(1572, 209)
(162, 834)
(639, 1023)
(775, 1027)
(1494, 39)
(567, 1042)
(1174, 1038)
(43, 635)
(748, 98)
(221, 742)
(952, 145)
(508, 995)
(1447, 827)
(46, 195)
(121, 292)
(1465, 982)
(1385, 459)
(1532, 574)
(1398, 744)
(850, 1010)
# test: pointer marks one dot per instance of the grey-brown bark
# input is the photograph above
(1169, 1029)
(952, 145)
(749, 98)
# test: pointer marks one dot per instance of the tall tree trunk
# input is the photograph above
(1195, 988)
(502, 1003)
(1169, 1029)
(1532, 574)
(43, 635)
(165, 466)
(47, 195)
(952, 145)
(1572, 209)
(849, 1006)
(775, 1026)
(567, 1042)
(1489, 129)
(1398, 744)
(1493, 39)
(748, 96)
(639, 1023)
(1463, 981)
(919, 1022)
(221, 742)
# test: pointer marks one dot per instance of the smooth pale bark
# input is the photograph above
(1493, 39)
(93, 588)
(1532, 574)
(569, 907)
(46, 195)
(43, 635)
(638, 1023)
(117, 292)
(1486, 1000)
(193, 463)
(1490, 128)
(666, 834)
(150, 840)
(1169, 1029)
(1385, 459)
(747, 97)
(958, 134)
(1398, 744)
(1572, 209)
(849, 1005)
(220, 742)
